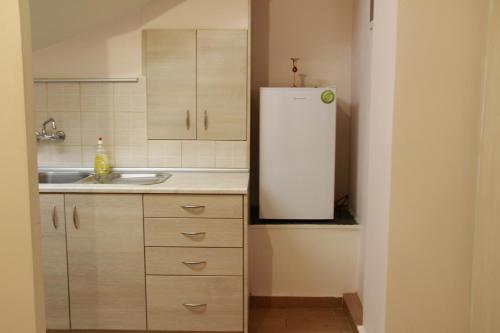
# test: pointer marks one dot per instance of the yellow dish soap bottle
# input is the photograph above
(101, 165)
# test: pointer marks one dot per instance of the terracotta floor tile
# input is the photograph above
(312, 319)
(299, 320)
(263, 320)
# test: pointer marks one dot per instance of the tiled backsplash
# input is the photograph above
(117, 112)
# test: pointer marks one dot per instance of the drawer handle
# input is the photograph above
(193, 234)
(194, 263)
(195, 305)
(76, 224)
(54, 218)
(193, 206)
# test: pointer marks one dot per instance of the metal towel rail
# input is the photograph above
(71, 80)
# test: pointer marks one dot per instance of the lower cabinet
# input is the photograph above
(54, 261)
(195, 303)
(186, 273)
(106, 261)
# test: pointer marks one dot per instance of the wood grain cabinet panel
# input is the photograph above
(194, 261)
(54, 261)
(193, 232)
(222, 74)
(193, 205)
(171, 83)
(195, 303)
(106, 261)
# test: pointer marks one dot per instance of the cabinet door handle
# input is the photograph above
(54, 218)
(188, 120)
(76, 224)
(194, 263)
(192, 206)
(205, 120)
(194, 233)
(195, 305)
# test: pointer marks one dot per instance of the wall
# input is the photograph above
(320, 33)
(486, 271)
(311, 261)
(21, 291)
(377, 156)
(437, 108)
(119, 110)
(114, 48)
(360, 116)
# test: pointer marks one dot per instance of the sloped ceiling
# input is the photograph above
(53, 21)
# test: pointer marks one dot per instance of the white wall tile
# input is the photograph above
(130, 129)
(231, 154)
(40, 96)
(130, 97)
(97, 97)
(41, 116)
(88, 156)
(69, 123)
(55, 154)
(164, 153)
(64, 97)
(131, 156)
(117, 112)
(95, 125)
(198, 154)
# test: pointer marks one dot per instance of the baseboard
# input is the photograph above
(354, 309)
(291, 302)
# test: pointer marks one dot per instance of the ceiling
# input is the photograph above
(53, 21)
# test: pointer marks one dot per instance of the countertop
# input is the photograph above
(179, 182)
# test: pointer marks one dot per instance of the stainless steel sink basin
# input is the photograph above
(128, 179)
(61, 177)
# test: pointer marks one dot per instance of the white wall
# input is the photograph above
(306, 261)
(21, 282)
(437, 114)
(373, 94)
(115, 48)
(486, 271)
(360, 114)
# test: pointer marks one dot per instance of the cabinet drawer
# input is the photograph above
(187, 205)
(195, 303)
(194, 261)
(193, 232)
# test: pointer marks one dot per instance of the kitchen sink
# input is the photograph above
(61, 177)
(80, 177)
(128, 178)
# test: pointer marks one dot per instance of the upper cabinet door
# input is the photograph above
(54, 261)
(106, 261)
(222, 84)
(171, 83)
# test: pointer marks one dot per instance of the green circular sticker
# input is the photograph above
(327, 96)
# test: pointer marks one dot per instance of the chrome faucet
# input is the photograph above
(54, 135)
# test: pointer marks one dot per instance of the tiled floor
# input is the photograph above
(266, 319)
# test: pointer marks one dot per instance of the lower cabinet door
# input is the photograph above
(106, 261)
(195, 303)
(54, 261)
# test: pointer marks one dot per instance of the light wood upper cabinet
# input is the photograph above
(106, 261)
(222, 84)
(171, 83)
(196, 84)
(54, 261)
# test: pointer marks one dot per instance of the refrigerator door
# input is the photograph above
(297, 154)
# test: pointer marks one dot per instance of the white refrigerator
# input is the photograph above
(297, 153)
